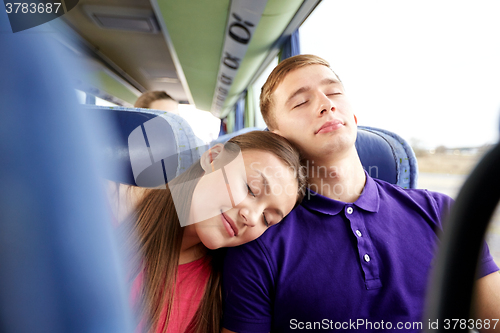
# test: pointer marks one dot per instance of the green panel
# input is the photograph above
(249, 108)
(197, 30)
(108, 84)
(230, 120)
(276, 17)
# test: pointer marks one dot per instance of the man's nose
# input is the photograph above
(249, 217)
(326, 104)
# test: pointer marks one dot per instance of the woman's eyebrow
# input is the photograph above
(267, 190)
(264, 181)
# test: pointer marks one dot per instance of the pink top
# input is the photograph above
(191, 282)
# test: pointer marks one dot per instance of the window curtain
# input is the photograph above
(291, 47)
(239, 114)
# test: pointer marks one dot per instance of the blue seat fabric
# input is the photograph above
(152, 147)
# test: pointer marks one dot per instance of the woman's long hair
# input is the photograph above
(159, 235)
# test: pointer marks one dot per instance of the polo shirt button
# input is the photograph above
(358, 233)
(349, 210)
(366, 257)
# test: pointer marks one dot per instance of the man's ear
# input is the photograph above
(209, 156)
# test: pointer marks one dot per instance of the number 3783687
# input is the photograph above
(32, 8)
(470, 324)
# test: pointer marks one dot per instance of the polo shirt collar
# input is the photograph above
(369, 200)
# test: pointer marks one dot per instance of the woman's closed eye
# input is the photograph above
(265, 220)
(250, 191)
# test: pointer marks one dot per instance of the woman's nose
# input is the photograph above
(248, 217)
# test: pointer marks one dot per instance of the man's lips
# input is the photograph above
(330, 126)
(231, 228)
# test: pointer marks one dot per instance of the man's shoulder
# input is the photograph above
(282, 232)
(413, 192)
(289, 222)
(422, 197)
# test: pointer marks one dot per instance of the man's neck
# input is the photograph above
(341, 179)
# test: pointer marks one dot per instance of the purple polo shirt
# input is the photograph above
(329, 265)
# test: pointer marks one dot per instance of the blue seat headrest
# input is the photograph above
(387, 156)
(152, 147)
(383, 154)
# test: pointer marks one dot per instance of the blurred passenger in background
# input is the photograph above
(157, 100)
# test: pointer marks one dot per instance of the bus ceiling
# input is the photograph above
(205, 53)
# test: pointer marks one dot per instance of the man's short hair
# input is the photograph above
(277, 76)
(145, 100)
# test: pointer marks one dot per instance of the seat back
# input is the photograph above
(387, 156)
(60, 268)
(152, 147)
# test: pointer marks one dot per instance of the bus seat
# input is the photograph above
(224, 138)
(152, 147)
(60, 266)
(387, 156)
(383, 154)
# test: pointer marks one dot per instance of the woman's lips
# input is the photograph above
(229, 225)
(330, 126)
